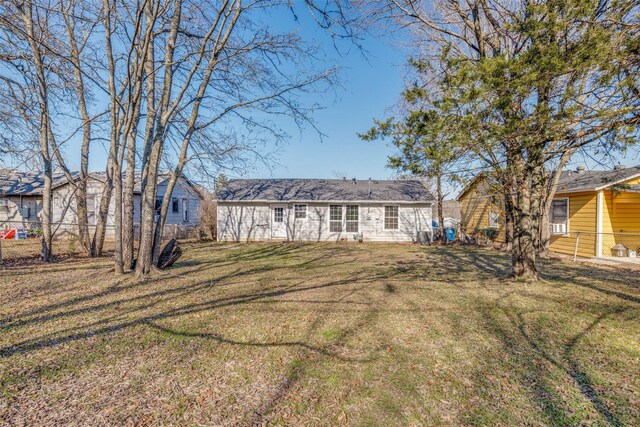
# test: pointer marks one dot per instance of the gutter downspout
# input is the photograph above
(599, 203)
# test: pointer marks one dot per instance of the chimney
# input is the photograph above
(618, 167)
(580, 169)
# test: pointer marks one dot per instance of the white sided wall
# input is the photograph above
(252, 222)
(19, 211)
(65, 210)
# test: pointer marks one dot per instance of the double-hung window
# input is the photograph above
(344, 218)
(300, 211)
(4, 204)
(493, 219)
(352, 219)
(391, 218)
(559, 216)
(175, 205)
(335, 218)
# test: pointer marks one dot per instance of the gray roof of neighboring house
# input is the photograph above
(19, 183)
(323, 190)
(574, 181)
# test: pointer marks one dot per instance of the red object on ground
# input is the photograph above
(10, 234)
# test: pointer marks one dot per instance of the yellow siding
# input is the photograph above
(582, 217)
(633, 181)
(475, 208)
(607, 211)
(625, 218)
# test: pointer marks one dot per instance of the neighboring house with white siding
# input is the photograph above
(21, 200)
(323, 210)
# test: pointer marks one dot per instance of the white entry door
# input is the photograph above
(279, 222)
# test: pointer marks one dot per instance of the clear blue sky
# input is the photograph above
(370, 85)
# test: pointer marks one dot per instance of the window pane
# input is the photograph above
(559, 210)
(391, 217)
(278, 214)
(335, 213)
(352, 219)
(335, 218)
(301, 211)
(493, 219)
(352, 213)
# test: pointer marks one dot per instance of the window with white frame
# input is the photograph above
(4, 204)
(559, 216)
(300, 211)
(352, 218)
(494, 219)
(391, 218)
(335, 218)
(91, 210)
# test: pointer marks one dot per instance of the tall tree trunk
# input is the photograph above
(128, 202)
(508, 227)
(523, 255)
(443, 239)
(117, 189)
(45, 129)
(147, 214)
(81, 188)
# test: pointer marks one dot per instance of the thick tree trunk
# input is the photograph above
(508, 227)
(147, 214)
(525, 225)
(46, 212)
(128, 204)
(523, 255)
(117, 189)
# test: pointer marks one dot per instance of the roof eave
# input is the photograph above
(620, 181)
(399, 202)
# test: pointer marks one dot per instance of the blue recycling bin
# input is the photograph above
(450, 234)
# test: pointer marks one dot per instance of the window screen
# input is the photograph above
(335, 218)
(300, 211)
(278, 214)
(390, 217)
(559, 211)
(352, 218)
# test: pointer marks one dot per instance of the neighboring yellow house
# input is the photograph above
(482, 208)
(591, 212)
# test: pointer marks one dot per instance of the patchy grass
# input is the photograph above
(320, 334)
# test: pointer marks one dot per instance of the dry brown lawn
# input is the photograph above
(320, 334)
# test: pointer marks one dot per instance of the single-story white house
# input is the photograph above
(324, 210)
(21, 200)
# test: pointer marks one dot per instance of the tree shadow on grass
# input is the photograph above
(104, 326)
(524, 349)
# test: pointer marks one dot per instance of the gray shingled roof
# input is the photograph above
(324, 190)
(18, 183)
(574, 181)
